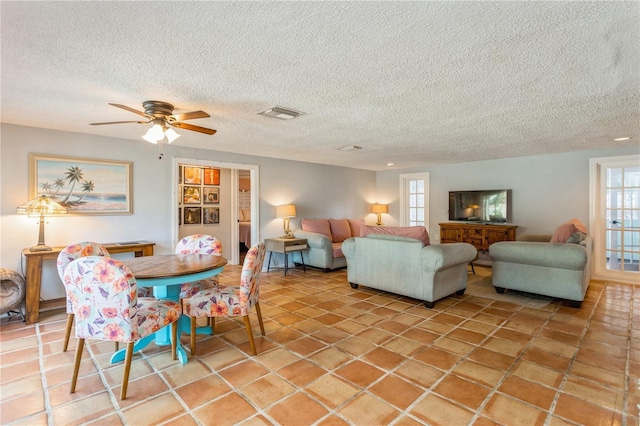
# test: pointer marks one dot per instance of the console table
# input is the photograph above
(480, 235)
(33, 278)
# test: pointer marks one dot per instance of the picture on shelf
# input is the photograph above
(211, 215)
(192, 175)
(192, 215)
(211, 176)
(191, 194)
(211, 195)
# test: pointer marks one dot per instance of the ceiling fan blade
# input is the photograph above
(194, 128)
(135, 111)
(118, 122)
(188, 115)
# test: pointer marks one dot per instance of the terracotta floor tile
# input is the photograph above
(229, 409)
(267, 390)
(332, 390)
(301, 372)
(462, 391)
(367, 410)
(509, 411)
(577, 410)
(527, 391)
(396, 391)
(202, 391)
(335, 356)
(359, 373)
(297, 409)
(437, 411)
(24, 406)
(242, 373)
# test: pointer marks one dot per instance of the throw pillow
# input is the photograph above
(415, 232)
(240, 216)
(355, 225)
(319, 226)
(340, 229)
(577, 238)
(566, 230)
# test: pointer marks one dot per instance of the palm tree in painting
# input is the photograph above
(59, 184)
(46, 187)
(73, 175)
(87, 187)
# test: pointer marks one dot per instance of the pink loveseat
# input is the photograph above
(325, 237)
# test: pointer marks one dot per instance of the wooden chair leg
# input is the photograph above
(76, 365)
(117, 346)
(193, 336)
(247, 325)
(67, 332)
(126, 371)
(212, 324)
(260, 317)
(174, 340)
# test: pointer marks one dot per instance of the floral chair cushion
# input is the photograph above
(198, 244)
(107, 306)
(225, 301)
(76, 251)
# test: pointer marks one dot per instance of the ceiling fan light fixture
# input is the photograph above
(171, 135)
(150, 136)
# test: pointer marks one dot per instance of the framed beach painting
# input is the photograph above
(83, 185)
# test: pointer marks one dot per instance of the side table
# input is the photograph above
(285, 246)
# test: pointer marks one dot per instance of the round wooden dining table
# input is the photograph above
(166, 273)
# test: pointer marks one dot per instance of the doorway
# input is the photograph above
(615, 217)
(226, 226)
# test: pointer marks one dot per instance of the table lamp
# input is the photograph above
(286, 211)
(41, 206)
(379, 208)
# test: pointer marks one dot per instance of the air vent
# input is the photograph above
(280, 113)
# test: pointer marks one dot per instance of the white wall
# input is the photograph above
(547, 190)
(317, 191)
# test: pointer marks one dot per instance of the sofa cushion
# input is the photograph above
(415, 232)
(566, 230)
(577, 238)
(336, 250)
(319, 226)
(340, 230)
(355, 225)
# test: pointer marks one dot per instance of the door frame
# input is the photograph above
(254, 171)
(404, 196)
(597, 221)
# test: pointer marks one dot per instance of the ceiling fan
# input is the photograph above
(161, 114)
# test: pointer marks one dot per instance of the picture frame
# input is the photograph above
(192, 175)
(192, 215)
(211, 195)
(191, 194)
(211, 215)
(84, 186)
(211, 176)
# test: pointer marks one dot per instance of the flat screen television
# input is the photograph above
(489, 206)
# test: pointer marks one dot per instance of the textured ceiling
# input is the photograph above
(413, 83)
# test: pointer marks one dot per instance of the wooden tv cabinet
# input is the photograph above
(480, 235)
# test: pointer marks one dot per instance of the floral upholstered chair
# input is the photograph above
(66, 256)
(231, 301)
(198, 244)
(106, 306)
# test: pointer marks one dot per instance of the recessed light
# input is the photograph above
(350, 148)
(391, 164)
(626, 138)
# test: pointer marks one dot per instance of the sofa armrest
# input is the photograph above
(550, 255)
(314, 240)
(442, 256)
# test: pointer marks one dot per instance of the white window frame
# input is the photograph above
(404, 197)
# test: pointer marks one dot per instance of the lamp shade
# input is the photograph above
(41, 206)
(379, 208)
(286, 210)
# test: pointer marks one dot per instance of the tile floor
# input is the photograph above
(337, 356)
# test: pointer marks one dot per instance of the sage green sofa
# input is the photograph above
(407, 267)
(532, 264)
